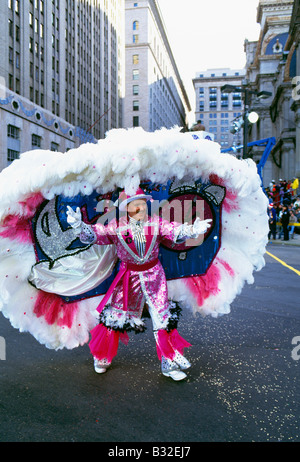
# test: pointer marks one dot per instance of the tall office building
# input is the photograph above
(155, 96)
(216, 109)
(61, 68)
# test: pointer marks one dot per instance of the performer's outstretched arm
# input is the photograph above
(85, 232)
(179, 233)
(185, 231)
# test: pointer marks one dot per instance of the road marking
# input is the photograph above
(284, 264)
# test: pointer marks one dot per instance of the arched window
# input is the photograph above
(135, 25)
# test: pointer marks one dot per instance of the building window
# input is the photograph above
(135, 121)
(135, 38)
(135, 74)
(10, 28)
(12, 155)
(11, 55)
(135, 25)
(135, 59)
(36, 141)
(224, 100)
(135, 4)
(135, 106)
(135, 90)
(236, 99)
(13, 132)
(54, 146)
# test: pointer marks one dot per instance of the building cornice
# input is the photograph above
(272, 5)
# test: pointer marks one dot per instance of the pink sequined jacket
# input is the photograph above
(141, 279)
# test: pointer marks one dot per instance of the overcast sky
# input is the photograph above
(206, 34)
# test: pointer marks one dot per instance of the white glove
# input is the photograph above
(74, 218)
(201, 226)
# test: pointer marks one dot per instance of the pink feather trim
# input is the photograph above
(226, 266)
(104, 343)
(230, 201)
(54, 309)
(202, 287)
(170, 342)
(14, 227)
(18, 226)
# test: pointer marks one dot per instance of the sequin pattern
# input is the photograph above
(149, 285)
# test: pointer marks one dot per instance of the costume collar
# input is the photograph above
(125, 236)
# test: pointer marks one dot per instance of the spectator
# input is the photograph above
(297, 202)
(198, 127)
(271, 185)
(285, 219)
(293, 219)
(279, 215)
(294, 186)
(276, 197)
(272, 221)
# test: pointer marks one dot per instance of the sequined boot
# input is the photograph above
(101, 366)
(171, 369)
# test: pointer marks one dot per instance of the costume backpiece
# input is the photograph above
(52, 283)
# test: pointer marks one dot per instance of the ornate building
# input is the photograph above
(271, 67)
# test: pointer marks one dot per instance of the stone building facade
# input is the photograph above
(271, 67)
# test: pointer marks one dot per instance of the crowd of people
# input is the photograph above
(284, 209)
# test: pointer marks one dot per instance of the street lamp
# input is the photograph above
(253, 117)
(261, 95)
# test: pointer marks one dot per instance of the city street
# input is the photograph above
(243, 385)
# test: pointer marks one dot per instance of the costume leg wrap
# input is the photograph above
(169, 344)
(104, 342)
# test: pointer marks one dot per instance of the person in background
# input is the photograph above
(272, 221)
(295, 186)
(293, 219)
(285, 219)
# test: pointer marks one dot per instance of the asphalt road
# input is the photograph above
(243, 385)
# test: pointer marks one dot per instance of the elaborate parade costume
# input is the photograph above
(63, 283)
(141, 279)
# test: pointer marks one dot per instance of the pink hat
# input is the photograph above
(124, 199)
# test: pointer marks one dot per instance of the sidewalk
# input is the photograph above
(291, 242)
